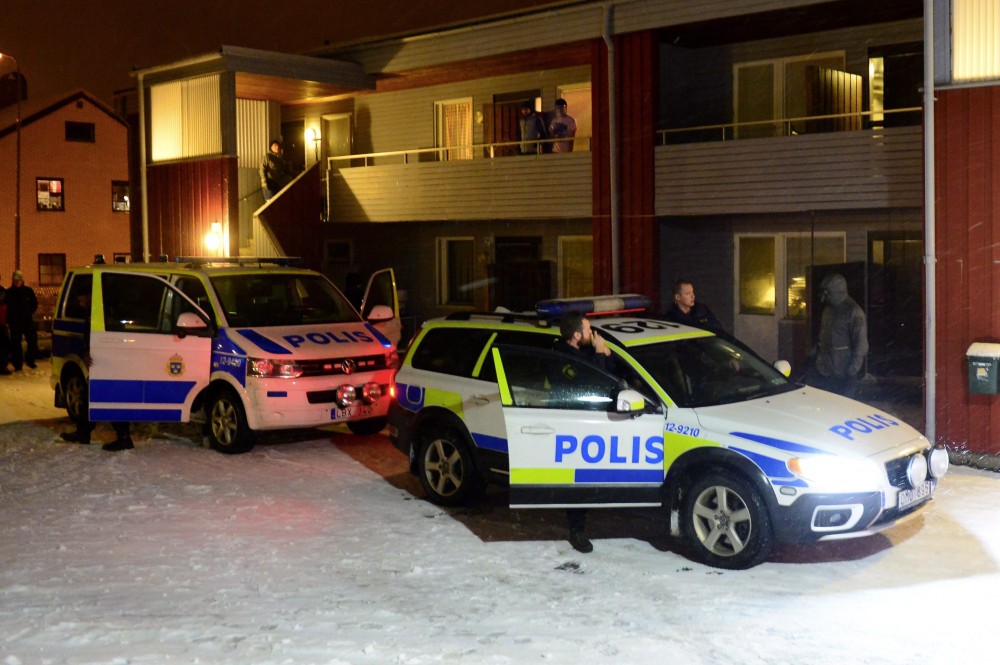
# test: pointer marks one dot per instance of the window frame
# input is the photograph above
(445, 289)
(62, 194)
(42, 271)
(115, 191)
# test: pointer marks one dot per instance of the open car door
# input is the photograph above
(575, 436)
(381, 291)
(150, 347)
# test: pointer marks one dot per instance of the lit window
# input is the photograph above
(756, 257)
(50, 193)
(454, 128)
(119, 196)
(975, 26)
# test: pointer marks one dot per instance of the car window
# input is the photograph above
(276, 299)
(551, 380)
(452, 351)
(540, 340)
(705, 371)
(77, 305)
(133, 303)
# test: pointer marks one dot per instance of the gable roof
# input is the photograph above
(33, 111)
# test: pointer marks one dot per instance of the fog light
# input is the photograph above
(346, 395)
(916, 470)
(938, 462)
(371, 392)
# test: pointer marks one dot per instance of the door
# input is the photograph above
(337, 132)
(293, 144)
(142, 370)
(381, 290)
(567, 442)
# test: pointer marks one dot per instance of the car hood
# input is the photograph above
(311, 342)
(809, 419)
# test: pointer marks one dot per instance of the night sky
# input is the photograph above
(62, 45)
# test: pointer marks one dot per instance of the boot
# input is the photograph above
(79, 436)
(124, 443)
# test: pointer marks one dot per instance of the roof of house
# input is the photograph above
(32, 110)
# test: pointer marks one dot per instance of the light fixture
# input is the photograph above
(213, 239)
(312, 134)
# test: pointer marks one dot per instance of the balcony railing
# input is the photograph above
(453, 153)
(814, 124)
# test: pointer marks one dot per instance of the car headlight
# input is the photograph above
(346, 395)
(265, 367)
(837, 474)
(938, 462)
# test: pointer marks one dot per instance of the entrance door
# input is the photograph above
(568, 443)
(337, 130)
(143, 370)
(293, 143)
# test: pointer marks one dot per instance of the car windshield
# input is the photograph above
(275, 299)
(705, 371)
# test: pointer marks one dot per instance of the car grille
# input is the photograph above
(338, 366)
(330, 396)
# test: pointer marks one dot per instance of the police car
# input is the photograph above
(690, 421)
(243, 345)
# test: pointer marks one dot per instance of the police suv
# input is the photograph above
(242, 345)
(690, 421)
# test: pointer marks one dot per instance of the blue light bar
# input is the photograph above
(595, 305)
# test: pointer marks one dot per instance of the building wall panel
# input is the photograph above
(967, 161)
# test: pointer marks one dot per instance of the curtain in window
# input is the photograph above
(456, 129)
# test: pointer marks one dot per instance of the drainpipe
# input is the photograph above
(612, 149)
(144, 201)
(930, 219)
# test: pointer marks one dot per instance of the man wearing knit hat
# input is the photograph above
(21, 306)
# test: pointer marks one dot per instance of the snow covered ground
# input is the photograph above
(317, 549)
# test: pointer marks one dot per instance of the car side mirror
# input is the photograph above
(784, 367)
(630, 401)
(381, 313)
(189, 323)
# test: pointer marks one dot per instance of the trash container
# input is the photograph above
(984, 367)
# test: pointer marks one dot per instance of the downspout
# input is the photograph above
(144, 200)
(930, 220)
(612, 149)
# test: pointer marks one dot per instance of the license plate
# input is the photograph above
(351, 412)
(919, 493)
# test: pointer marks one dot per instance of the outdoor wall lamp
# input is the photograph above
(313, 135)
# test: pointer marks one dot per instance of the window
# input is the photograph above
(548, 380)
(453, 128)
(453, 351)
(455, 261)
(119, 196)
(51, 269)
(50, 193)
(133, 303)
(77, 303)
(802, 252)
(576, 266)
(756, 274)
(974, 37)
(82, 132)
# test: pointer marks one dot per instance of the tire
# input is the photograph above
(77, 397)
(446, 469)
(725, 522)
(226, 425)
(368, 426)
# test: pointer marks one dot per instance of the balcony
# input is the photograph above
(842, 166)
(465, 183)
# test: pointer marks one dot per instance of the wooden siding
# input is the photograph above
(967, 162)
(536, 187)
(842, 170)
(185, 198)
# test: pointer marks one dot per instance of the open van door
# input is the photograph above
(381, 293)
(150, 347)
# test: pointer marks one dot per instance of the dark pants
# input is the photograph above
(17, 356)
(4, 347)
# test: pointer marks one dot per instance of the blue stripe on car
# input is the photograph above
(618, 476)
(780, 444)
(489, 442)
(266, 344)
(138, 391)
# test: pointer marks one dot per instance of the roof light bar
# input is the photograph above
(596, 305)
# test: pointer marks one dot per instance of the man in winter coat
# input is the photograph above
(4, 335)
(275, 172)
(843, 339)
(688, 312)
(21, 306)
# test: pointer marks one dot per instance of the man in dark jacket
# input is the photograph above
(274, 172)
(843, 339)
(4, 335)
(21, 306)
(688, 312)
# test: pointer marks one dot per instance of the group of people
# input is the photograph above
(18, 335)
(838, 363)
(534, 129)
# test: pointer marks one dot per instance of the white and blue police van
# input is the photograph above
(242, 345)
(689, 421)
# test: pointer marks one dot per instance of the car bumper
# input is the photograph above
(282, 404)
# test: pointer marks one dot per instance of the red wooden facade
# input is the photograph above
(967, 165)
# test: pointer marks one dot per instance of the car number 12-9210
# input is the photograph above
(682, 429)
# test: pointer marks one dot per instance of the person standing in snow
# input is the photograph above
(843, 339)
(21, 306)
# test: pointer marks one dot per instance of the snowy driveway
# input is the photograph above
(318, 549)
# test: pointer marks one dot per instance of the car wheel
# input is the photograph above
(77, 400)
(725, 522)
(446, 469)
(368, 426)
(227, 428)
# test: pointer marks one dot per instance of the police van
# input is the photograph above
(242, 345)
(689, 421)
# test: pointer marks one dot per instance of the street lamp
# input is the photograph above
(17, 167)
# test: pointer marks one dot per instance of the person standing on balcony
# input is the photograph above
(274, 172)
(21, 306)
(562, 126)
(532, 130)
